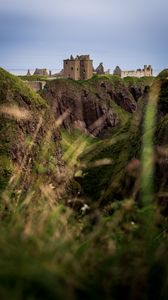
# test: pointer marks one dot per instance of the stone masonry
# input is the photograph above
(79, 68)
(146, 71)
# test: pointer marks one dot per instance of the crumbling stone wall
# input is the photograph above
(36, 85)
(146, 71)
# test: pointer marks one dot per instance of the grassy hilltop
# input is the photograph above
(83, 213)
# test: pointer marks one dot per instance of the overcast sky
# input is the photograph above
(41, 33)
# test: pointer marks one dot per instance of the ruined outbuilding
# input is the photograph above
(28, 73)
(41, 72)
(146, 71)
(100, 69)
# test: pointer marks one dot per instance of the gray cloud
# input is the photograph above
(125, 32)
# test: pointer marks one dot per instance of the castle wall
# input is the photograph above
(72, 69)
(147, 71)
(86, 69)
(36, 85)
(80, 68)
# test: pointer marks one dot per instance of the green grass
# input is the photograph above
(147, 81)
(163, 74)
(16, 97)
(11, 84)
(51, 251)
(34, 78)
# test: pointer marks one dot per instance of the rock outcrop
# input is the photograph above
(96, 106)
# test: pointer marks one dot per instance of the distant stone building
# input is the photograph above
(41, 72)
(28, 73)
(117, 71)
(79, 68)
(100, 69)
(59, 74)
(147, 71)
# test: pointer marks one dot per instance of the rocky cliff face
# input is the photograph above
(96, 106)
(29, 134)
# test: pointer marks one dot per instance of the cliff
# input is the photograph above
(96, 106)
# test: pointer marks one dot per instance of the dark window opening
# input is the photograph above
(72, 68)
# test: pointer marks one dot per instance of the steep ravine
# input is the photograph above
(96, 106)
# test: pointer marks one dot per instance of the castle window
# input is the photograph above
(66, 63)
(77, 69)
(72, 68)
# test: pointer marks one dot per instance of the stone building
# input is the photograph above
(79, 68)
(117, 71)
(41, 72)
(146, 71)
(28, 73)
(100, 69)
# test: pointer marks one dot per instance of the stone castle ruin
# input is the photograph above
(41, 72)
(146, 71)
(100, 69)
(79, 68)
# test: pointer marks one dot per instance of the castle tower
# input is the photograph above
(148, 71)
(86, 67)
(72, 68)
(79, 68)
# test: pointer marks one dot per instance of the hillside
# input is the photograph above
(110, 168)
(83, 182)
(26, 128)
(97, 105)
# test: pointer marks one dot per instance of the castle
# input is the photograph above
(146, 71)
(79, 68)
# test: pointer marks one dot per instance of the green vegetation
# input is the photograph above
(54, 246)
(147, 81)
(34, 78)
(163, 74)
(10, 85)
(104, 183)
(21, 110)
(163, 99)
